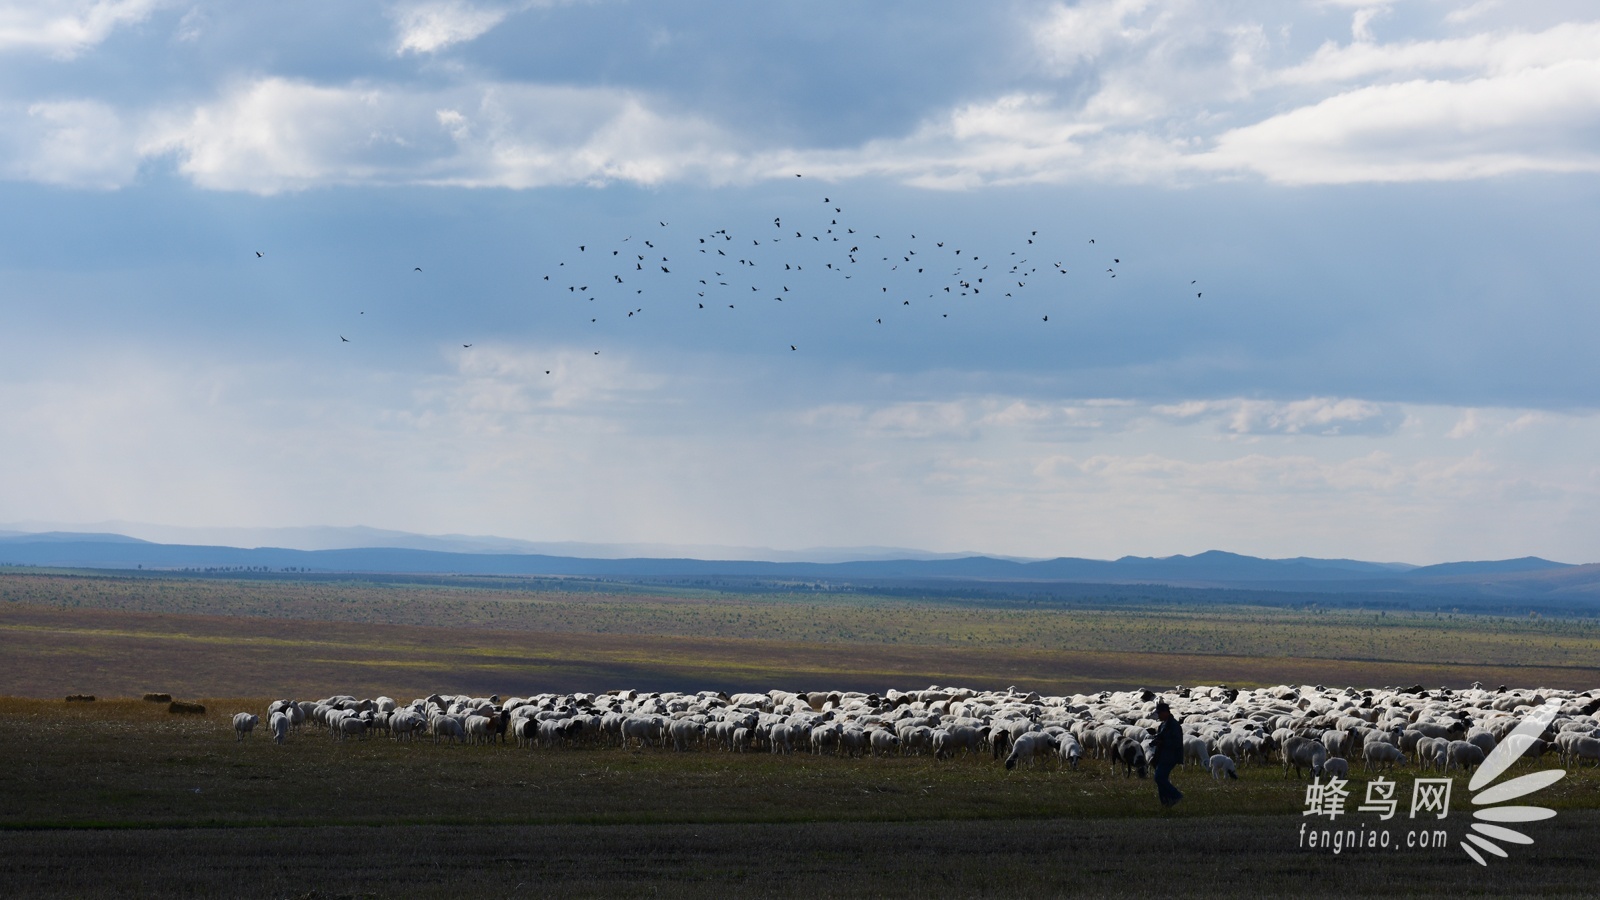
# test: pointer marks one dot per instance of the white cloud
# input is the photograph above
(1500, 53)
(1268, 474)
(1523, 422)
(65, 28)
(1468, 13)
(1072, 35)
(1534, 120)
(1127, 90)
(1361, 23)
(1179, 93)
(1469, 424)
(274, 135)
(430, 26)
(1501, 423)
(1325, 416)
(77, 143)
(971, 418)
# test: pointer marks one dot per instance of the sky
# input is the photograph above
(1279, 278)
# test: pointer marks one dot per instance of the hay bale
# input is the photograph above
(187, 708)
(158, 698)
(81, 698)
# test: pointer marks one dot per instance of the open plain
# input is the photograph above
(118, 797)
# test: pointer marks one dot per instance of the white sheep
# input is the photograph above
(1222, 766)
(243, 724)
(1585, 748)
(1463, 755)
(352, 724)
(1300, 753)
(279, 723)
(480, 729)
(884, 742)
(685, 733)
(1068, 748)
(1377, 754)
(1028, 746)
(446, 727)
(647, 730)
(405, 724)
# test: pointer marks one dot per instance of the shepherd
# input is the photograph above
(1168, 754)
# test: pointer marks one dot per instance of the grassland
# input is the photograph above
(116, 799)
(118, 635)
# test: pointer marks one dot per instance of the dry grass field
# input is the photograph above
(118, 636)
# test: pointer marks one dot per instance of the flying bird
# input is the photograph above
(343, 338)
(258, 254)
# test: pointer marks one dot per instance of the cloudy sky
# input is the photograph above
(1312, 278)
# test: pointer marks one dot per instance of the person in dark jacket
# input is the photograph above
(1168, 753)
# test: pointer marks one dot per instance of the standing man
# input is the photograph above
(1168, 753)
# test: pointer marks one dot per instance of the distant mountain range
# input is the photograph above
(360, 537)
(1511, 579)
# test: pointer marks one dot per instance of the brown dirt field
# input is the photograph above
(52, 651)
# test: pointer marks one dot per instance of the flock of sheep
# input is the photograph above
(1307, 728)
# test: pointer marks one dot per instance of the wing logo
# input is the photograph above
(1494, 817)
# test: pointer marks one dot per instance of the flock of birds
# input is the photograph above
(791, 261)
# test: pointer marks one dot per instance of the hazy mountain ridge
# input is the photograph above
(362, 537)
(1526, 577)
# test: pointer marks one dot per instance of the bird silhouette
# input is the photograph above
(343, 338)
(258, 254)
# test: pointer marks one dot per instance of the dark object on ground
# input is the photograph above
(185, 707)
(80, 698)
(158, 698)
